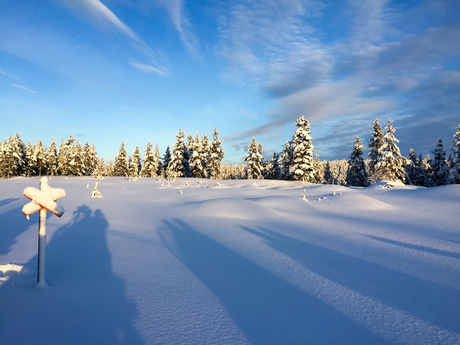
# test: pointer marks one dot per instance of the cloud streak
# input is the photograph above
(23, 88)
(146, 68)
(374, 70)
(181, 22)
(101, 15)
(12, 76)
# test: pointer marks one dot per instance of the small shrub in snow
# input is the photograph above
(96, 193)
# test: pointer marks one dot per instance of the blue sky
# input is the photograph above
(138, 70)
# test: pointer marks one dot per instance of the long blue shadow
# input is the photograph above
(266, 308)
(12, 224)
(86, 302)
(416, 247)
(429, 301)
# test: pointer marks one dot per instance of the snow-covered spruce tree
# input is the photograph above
(135, 164)
(66, 156)
(99, 169)
(356, 172)
(77, 160)
(255, 161)
(150, 166)
(415, 171)
(439, 173)
(205, 156)
(13, 157)
(196, 158)
(328, 176)
(157, 156)
(166, 161)
(275, 171)
(108, 168)
(285, 161)
(178, 164)
(454, 159)
(90, 160)
(120, 166)
(391, 166)
(30, 163)
(376, 143)
(216, 155)
(51, 158)
(188, 155)
(302, 164)
(40, 157)
(1, 158)
(318, 168)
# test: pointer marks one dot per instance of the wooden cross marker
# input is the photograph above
(43, 199)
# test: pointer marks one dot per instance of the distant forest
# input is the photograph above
(193, 156)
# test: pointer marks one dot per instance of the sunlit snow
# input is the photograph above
(232, 262)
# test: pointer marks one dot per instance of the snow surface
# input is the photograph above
(234, 262)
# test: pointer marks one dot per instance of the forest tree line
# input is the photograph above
(202, 158)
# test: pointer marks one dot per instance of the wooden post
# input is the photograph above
(43, 200)
(41, 248)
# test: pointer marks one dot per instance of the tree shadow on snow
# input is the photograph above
(12, 224)
(266, 308)
(416, 247)
(86, 302)
(429, 301)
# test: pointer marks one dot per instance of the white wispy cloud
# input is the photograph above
(9, 75)
(181, 22)
(146, 68)
(23, 88)
(101, 15)
(373, 69)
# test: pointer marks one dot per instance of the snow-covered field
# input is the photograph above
(232, 262)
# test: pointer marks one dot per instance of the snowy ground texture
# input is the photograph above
(232, 262)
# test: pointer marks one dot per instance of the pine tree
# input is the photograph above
(302, 164)
(40, 155)
(166, 161)
(391, 166)
(151, 163)
(196, 157)
(76, 162)
(376, 143)
(90, 160)
(275, 167)
(255, 161)
(157, 162)
(285, 161)
(135, 164)
(188, 155)
(99, 169)
(30, 163)
(206, 156)
(454, 159)
(178, 164)
(66, 156)
(121, 167)
(216, 155)
(328, 175)
(356, 172)
(318, 169)
(51, 158)
(13, 157)
(439, 174)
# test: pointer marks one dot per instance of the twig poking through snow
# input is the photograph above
(96, 193)
(304, 195)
